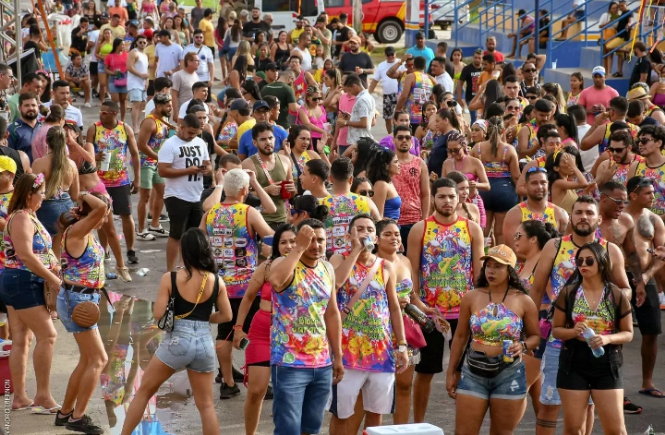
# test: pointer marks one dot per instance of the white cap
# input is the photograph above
(598, 70)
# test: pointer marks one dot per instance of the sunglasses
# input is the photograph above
(536, 169)
(617, 201)
(616, 150)
(531, 70)
(513, 108)
(590, 261)
(317, 99)
(454, 150)
(369, 193)
(531, 97)
(517, 236)
(104, 112)
(642, 183)
(644, 140)
(403, 137)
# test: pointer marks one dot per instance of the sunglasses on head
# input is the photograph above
(642, 183)
(537, 169)
(369, 193)
(590, 261)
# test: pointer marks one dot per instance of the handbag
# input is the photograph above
(413, 334)
(167, 321)
(50, 297)
(120, 82)
(347, 309)
(483, 365)
(86, 314)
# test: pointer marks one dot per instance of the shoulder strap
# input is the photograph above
(370, 275)
(174, 287)
(198, 298)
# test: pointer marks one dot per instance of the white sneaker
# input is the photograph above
(123, 274)
(145, 236)
(159, 231)
(87, 105)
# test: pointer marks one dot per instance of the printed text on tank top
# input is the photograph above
(495, 323)
(446, 267)
(367, 330)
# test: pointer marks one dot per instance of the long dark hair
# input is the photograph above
(117, 42)
(451, 117)
(241, 67)
(554, 160)
(493, 92)
(251, 86)
(68, 218)
(542, 231)
(513, 278)
(236, 31)
(277, 237)
(294, 132)
(365, 148)
(494, 129)
(423, 119)
(309, 204)
(567, 122)
(196, 252)
(603, 260)
(22, 190)
(379, 164)
(222, 26)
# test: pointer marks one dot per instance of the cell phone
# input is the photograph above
(244, 342)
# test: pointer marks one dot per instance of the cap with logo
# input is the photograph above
(501, 254)
(7, 164)
(598, 70)
(105, 15)
(260, 104)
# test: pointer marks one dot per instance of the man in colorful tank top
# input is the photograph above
(556, 266)
(115, 140)
(649, 233)
(621, 154)
(444, 251)
(527, 142)
(416, 91)
(412, 184)
(343, 206)
(651, 142)
(155, 129)
(306, 330)
(535, 207)
(370, 313)
(232, 227)
(603, 125)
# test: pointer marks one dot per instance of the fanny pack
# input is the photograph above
(485, 366)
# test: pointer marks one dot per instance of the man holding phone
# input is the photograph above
(232, 226)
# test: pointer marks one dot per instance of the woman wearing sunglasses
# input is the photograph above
(313, 116)
(492, 372)
(306, 207)
(591, 306)
(460, 161)
(381, 169)
(362, 186)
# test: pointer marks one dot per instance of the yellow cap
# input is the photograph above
(7, 164)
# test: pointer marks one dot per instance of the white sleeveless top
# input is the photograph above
(141, 65)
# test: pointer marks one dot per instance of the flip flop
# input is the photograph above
(40, 410)
(24, 408)
(650, 392)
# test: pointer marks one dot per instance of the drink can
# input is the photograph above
(506, 356)
(368, 243)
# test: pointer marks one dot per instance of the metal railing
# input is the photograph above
(481, 10)
(643, 33)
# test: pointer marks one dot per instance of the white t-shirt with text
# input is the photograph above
(183, 155)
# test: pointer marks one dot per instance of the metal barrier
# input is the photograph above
(643, 32)
(499, 17)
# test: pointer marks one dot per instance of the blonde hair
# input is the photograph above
(243, 49)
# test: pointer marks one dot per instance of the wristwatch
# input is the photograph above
(401, 348)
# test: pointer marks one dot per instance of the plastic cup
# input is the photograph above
(106, 162)
(554, 64)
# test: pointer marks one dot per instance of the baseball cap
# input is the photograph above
(260, 104)
(521, 12)
(105, 15)
(389, 51)
(239, 104)
(148, 33)
(420, 35)
(501, 254)
(7, 164)
(355, 39)
(598, 70)
(271, 67)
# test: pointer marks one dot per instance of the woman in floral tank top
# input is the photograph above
(29, 265)
(82, 260)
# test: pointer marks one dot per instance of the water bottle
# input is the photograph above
(425, 322)
(588, 334)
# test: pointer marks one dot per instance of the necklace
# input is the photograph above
(460, 168)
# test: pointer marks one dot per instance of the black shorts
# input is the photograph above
(648, 315)
(212, 49)
(225, 330)
(151, 88)
(431, 356)
(121, 199)
(183, 215)
(260, 364)
(502, 197)
(93, 69)
(580, 370)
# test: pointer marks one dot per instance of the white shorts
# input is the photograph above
(137, 95)
(378, 393)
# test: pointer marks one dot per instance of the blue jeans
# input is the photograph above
(300, 398)
(50, 211)
(472, 113)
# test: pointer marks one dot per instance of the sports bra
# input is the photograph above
(87, 168)
(495, 323)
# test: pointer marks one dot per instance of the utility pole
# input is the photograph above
(357, 16)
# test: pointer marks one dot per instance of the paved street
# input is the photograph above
(176, 412)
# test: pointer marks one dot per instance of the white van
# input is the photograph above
(284, 12)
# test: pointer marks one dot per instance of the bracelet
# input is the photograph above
(237, 327)
(402, 343)
(219, 186)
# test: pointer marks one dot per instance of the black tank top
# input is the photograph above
(202, 311)
(281, 56)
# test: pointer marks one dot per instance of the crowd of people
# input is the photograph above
(320, 249)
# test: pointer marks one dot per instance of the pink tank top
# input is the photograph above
(346, 102)
(317, 122)
(266, 292)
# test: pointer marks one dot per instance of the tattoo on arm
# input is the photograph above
(633, 263)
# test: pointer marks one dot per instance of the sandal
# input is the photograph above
(653, 392)
(617, 74)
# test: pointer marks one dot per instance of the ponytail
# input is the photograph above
(494, 128)
(466, 210)
(320, 213)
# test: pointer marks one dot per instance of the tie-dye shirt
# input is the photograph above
(621, 175)
(298, 332)
(156, 140)
(657, 176)
(4, 203)
(446, 267)
(86, 270)
(546, 216)
(342, 209)
(367, 330)
(233, 246)
(113, 141)
(41, 245)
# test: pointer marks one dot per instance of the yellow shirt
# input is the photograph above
(208, 32)
(150, 52)
(117, 32)
(245, 127)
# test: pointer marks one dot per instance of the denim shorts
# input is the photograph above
(50, 211)
(188, 346)
(300, 398)
(137, 95)
(65, 309)
(100, 67)
(22, 289)
(510, 384)
(116, 89)
(502, 197)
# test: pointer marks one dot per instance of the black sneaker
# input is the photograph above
(218, 378)
(131, 256)
(226, 392)
(62, 419)
(269, 395)
(238, 376)
(85, 425)
(630, 408)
